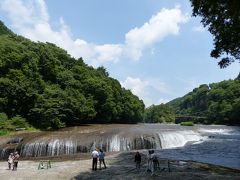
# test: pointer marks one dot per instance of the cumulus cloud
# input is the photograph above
(137, 86)
(164, 23)
(142, 87)
(109, 52)
(31, 19)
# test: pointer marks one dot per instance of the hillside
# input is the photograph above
(43, 85)
(218, 103)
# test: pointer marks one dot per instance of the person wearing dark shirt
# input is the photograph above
(101, 159)
(138, 160)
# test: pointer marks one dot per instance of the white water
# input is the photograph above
(54, 147)
(219, 131)
(178, 138)
(159, 140)
(144, 136)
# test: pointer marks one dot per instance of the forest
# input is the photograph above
(42, 86)
(216, 103)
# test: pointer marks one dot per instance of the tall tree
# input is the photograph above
(222, 17)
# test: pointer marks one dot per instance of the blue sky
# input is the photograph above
(154, 48)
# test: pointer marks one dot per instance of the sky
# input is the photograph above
(154, 48)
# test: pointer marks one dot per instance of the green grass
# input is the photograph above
(187, 123)
(4, 132)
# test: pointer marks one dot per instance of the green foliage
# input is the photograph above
(7, 125)
(48, 88)
(187, 123)
(3, 120)
(218, 103)
(4, 29)
(3, 132)
(19, 122)
(159, 114)
(222, 20)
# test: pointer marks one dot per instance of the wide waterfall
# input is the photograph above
(108, 137)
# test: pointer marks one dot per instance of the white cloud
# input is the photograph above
(109, 52)
(198, 29)
(164, 23)
(31, 19)
(136, 85)
(18, 13)
(141, 88)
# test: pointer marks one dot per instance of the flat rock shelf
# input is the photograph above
(119, 165)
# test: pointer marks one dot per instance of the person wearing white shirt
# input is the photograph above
(94, 159)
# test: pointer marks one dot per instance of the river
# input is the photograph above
(214, 144)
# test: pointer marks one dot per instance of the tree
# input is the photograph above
(223, 20)
(162, 113)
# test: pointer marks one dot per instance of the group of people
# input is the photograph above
(98, 155)
(13, 159)
(152, 161)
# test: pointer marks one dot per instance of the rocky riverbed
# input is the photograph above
(119, 166)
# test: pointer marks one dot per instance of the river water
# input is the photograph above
(211, 144)
(220, 145)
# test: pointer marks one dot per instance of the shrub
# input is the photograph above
(19, 122)
(187, 123)
(4, 123)
(3, 132)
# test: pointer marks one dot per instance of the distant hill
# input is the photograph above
(219, 103)
(216, 103)
(43, 84)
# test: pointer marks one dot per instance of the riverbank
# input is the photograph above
(119, 166)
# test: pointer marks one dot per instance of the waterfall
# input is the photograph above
(3, 153)
(159, 140)
(66, 142)
(115, 143)
(54, 147)
(178, 138)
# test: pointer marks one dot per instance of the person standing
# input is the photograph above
(10, 161)
(149, 161)
(15, 161)
(94, 159)
(101, 159)
(138, 160)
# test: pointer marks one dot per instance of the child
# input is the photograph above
(10, 160)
